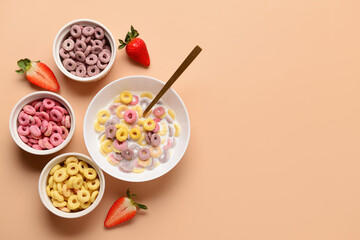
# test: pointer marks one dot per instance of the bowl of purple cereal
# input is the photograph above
(84, 50)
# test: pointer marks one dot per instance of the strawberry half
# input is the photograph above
(39, 74)
(122, 210)
(135, 47)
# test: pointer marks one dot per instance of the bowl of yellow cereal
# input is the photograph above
(128, 145)
(71, 185)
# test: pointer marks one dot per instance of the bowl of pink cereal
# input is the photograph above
(42, 123)
(84, 50)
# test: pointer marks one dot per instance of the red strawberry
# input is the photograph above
(122, 210)
(135, 47)
(39, 74)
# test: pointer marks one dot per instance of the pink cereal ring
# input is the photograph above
(67, 121)
(56, 115)
(104, 56)
(56, 139)
(63, 53)
(169, 144)
(62, 122)
(93, 70)
(99, 33)
(135, 100)
(157, 127)
(87, 50)
(44, 126)
(33, 103)
(47, 144)
(88, 31)
(57, 129)
(31, 120)
(157, 119)
(159, 111)
(23, 118)
(48, 103)
(37, 121)
(24, 139)
(49, 130)
(23, 130)
(52, 123)
(100, 65)
(64, 132)
(61, 109)
(120, 145)
(38, 105)
(41, 143)
(43, 116)
(75, 31)
(130, 116)
(33, 140)
(37, 147)
(28, 109)
(35, 131)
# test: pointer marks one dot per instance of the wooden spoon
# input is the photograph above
(194, 53)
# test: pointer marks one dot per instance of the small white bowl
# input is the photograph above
(105, 96)
(26, 100)
(64, 33)
(44, 178)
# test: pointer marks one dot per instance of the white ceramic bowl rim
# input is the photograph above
(17, 109)
(57, 44)
(87, 143)
(43, 183)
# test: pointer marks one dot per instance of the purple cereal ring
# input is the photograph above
(103, 41)
(87, 40)
(23, 118)
(82, 38)
(107, 48)
(104, 57)
(63, 53)
(72, 54)
(112, 121)
(159, 111)
(92, 70)
(61, 109)
(171, 130)
(130, 116)
(126, 166)
(49, 130)
(43, 116)
(157, 128)
(64, 132)
(23, 130)
(28, 109)
(100, 65)
(117, 156)
(144, 154)
(35, 131)
(120, 145)
(148, 137)
(88, 31)
(48, 103)
(68, 45)
(37, 147)
(69, 64)
(47, 144)
(80, 71)
(113, 107)
(24, 139)
(56, 139)
(91, 59)
(110, 131)
(169, 119)
(56, 115)
(155, 140)
(80, 45)
(87, 50)
(152, 164)
(96, 49)
(73, 73)
(127, 153)
(165, 157)
(75, 31)
(99, 33)
(44, 126)
(98, 43)
(80, 56)
(67, 122)
(37, 121)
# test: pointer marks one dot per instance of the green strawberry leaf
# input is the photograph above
(20, 71)
(24, 64)
(142, 206)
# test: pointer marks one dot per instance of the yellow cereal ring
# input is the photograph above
(64, 209)
(155, 151)
(162, 116)
(163, 130)
(138, 170)
(72, 169)
(144, 163)
(139, 111)
(51, 181)
(122, 134)
(59, 187)
(102, 152)
(82, 166)
(147, 94)
(57, 196)
(117, 99)
(157, 164)
(135, 133)
(148, 113)
(59, 204)
(99, 127)
(85, 186)
(77, 183)
(71, 160)
(122, 125)
(90, 173)
(177, 129)
(83, 195)
(126, 97)
(141, 121)
(120, 109)
(73, 202)
(171, 113)
(142, 141)
(48, 191)
(85, 205)
(66, 192)
(70, 182)
(149, 124)
(114, 149)
(93, 196)
(102, 138)
(60, 175)
(54, 186)
(102, 116)
(93, 184)
(54, 168)
(106, 146)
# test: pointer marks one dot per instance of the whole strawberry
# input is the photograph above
(135, 47)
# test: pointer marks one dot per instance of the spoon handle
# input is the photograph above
(189, 59)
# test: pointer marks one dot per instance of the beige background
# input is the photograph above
(274, 106)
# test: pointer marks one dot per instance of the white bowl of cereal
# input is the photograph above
(71, 185)
(127, 145)
(84, 50)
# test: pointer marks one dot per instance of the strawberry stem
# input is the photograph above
(130, 196)
(24, 65)
(129, 37)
